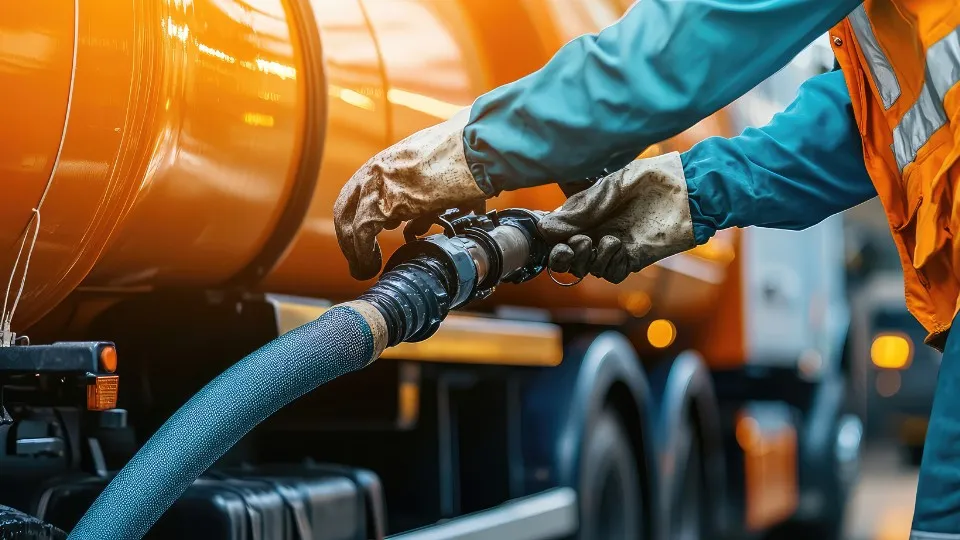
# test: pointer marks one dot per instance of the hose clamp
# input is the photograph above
(459, 272)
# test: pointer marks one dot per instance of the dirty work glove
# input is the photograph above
(623, 223)
(426, 172)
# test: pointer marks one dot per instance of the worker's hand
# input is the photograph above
(426, 172)
(623, 223)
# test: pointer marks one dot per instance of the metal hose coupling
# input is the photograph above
(430, 275)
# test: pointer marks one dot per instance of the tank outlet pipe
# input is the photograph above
(421, 283)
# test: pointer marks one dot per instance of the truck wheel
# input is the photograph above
(15, 525)
(689, 519)
(611, 499)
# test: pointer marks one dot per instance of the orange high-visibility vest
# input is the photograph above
(901, 61)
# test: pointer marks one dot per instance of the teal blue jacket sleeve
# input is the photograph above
(605, 97)
(802, 167)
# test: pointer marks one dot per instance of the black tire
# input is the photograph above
(690, 518)
(610, 495)
(15, 525)
(826, 530)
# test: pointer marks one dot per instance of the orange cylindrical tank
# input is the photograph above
(202, 143)
(160, 139)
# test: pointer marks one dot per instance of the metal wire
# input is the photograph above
(6, 319)
(560, 283)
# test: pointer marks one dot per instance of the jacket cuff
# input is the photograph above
(478, 167)
(704, 226)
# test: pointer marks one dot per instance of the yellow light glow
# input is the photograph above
(661, 333)
(273, 68)
(258, 120)
(424, 104)
(637, 303)
(176, 31)
(352, 97)
(891, 351)
(216, 53)
(276, 68)
(269, 96)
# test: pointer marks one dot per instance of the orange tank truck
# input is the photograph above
(190, 161)
(170, 168)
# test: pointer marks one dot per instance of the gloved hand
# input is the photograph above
(625, 222)
(426, 172)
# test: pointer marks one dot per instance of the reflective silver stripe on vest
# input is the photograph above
(927, 115)
(880, 68)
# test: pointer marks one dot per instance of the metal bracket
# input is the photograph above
(61, 358)
(91, 364)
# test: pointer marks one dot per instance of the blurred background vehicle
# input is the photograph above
(184, 156)
(896, 373)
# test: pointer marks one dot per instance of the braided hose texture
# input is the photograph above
(346, 338)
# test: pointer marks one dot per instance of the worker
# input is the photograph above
(884, 124)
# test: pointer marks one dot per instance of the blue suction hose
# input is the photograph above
(423, 281)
